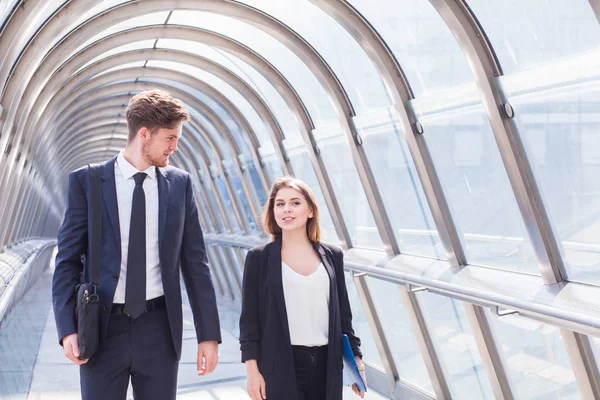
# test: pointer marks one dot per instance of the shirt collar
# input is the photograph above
(129, 170)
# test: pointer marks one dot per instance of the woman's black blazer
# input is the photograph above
(264, 330)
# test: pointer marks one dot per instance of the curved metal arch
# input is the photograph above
(16, 23)
(23, 212)
(288, 37)
(72, 65)
(401, 93)
(85, 108)
(114, 110)
(75, 121)
(476, 48)
(131, 86)
(147, 72)
(177, 76)
(595, 4)
(209, 113)
(88, 136)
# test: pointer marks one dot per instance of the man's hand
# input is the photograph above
(208, 357)
(71, 348)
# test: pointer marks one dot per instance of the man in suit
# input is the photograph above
(150, 232)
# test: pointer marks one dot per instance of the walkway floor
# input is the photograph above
(33, 367)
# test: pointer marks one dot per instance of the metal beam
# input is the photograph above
(596, 8)
(383, 347)
(490, 355)
(399, 89)
(583, 363)
(486, 70)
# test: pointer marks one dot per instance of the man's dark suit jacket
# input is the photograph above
(264, 330)
(180, 244)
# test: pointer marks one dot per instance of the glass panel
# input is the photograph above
(349, 192)
(560, 131)
(272, 167)
(456, 347)
(143, 44)
(396, 324)
(97, 9)
(236, 184)
(6, 8)
(419, 38)
(122, 66)
(279, 55)
(303, 170)
(247, 73)
(209, 131)
(470, 168)
(361, 325)
(533, 32)
(534, 357)
(258, 187)
(228, 204)
(215, 269)
(229, 92)
(212, 205)
(398, 181)
(346, 58)
(35, 20)
(228, 272)
(143, 20)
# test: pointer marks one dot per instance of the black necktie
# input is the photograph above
(135, 286)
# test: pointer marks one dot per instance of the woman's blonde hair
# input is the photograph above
(313, 225)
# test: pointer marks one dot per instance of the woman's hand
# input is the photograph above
(255, 385)
(355, 389)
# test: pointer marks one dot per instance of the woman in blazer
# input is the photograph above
(295, 305)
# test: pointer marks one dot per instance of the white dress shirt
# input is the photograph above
(307, 305)
(125, 184)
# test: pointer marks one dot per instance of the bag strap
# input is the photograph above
(96, 218)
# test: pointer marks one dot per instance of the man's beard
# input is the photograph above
(153, 161)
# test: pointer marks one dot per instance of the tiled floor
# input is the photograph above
(33, 367)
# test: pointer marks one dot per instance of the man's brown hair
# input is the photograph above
(313, 225)
(154, 109)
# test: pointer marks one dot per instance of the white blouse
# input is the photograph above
(307, 305)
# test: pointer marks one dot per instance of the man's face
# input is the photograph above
(157, 147)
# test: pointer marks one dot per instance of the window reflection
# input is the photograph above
(396, 324)
(303, 169)
(533, 32)
(477, 188)
(361, 325)
(349, 192)
(399, 183)
(455, 346)
(535, 358)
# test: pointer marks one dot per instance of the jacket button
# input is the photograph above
(105, 308)
(115, 278)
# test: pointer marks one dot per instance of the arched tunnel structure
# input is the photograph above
(452, 145)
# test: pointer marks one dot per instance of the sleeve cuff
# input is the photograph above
(249, 354)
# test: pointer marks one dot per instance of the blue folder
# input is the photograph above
(351, 372)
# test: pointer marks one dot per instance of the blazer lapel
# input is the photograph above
(274, 266)
(164, 188)
(109, 193)
(328, 266)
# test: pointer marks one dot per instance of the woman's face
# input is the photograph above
(291, 209)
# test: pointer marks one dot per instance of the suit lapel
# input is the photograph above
(164, 188)
(109, 193)
(274, 265)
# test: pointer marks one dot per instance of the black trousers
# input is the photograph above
(140, 349)
(310, 364)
